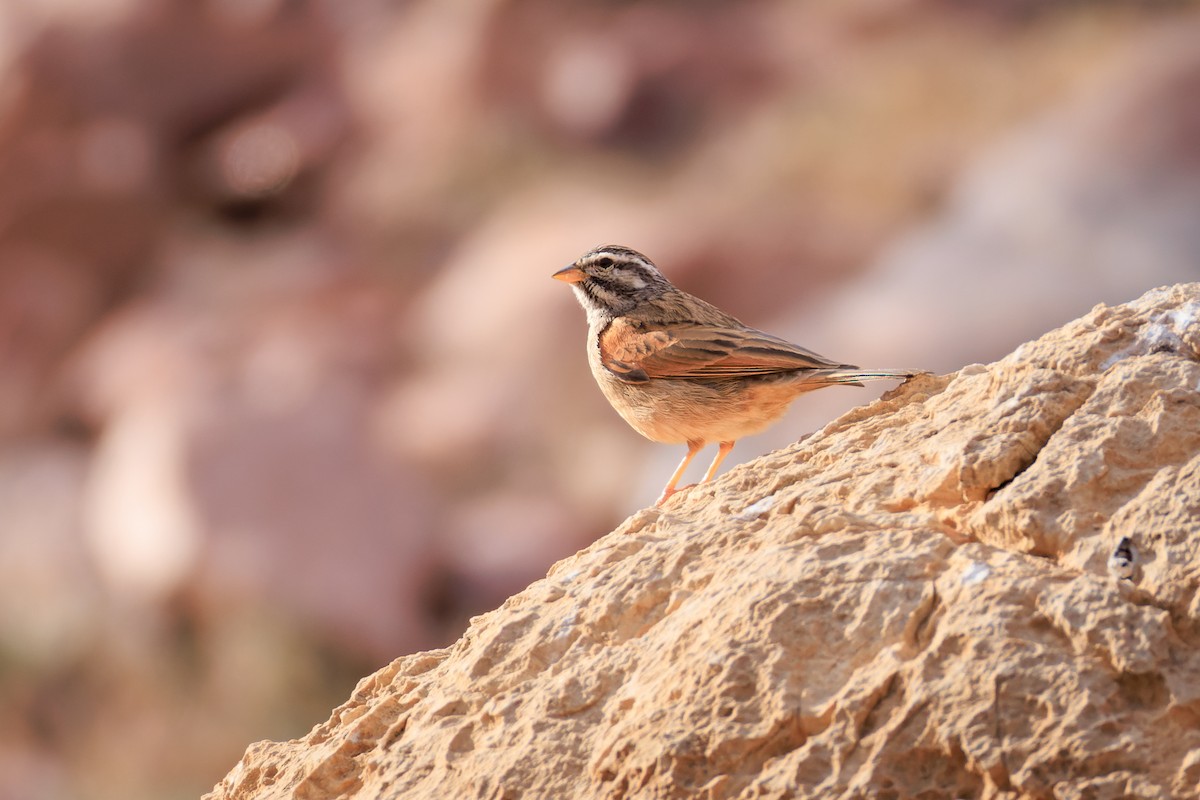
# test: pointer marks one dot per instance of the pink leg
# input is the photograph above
(693, 448)
(721, 453)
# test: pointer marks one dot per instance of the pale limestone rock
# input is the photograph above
(912, 602)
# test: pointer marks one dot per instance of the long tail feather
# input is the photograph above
(853, 376)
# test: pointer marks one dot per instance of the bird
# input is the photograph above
(681, 371)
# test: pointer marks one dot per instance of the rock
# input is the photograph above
(914, 601)
(236, 464)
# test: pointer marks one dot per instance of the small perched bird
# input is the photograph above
(680, 370)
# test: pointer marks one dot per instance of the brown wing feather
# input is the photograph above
(636, 353)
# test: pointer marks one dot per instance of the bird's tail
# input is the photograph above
(853, 376)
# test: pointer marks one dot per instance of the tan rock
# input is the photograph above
(912, 602)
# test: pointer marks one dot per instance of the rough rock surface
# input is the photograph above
(915, 601)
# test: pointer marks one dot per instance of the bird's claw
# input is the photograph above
(668, 492)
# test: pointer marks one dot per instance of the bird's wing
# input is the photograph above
(636, 352)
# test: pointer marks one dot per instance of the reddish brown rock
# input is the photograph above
(914, 601)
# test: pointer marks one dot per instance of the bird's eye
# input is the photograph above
(605, 263)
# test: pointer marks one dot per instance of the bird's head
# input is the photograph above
(612, 280)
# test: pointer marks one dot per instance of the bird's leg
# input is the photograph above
(693, 448)
(722, 451)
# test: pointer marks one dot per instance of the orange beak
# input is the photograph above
(571, 274)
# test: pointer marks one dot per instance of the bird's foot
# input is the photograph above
(669, 491)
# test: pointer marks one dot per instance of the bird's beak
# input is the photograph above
(571, 274)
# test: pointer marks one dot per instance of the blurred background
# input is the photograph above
(286, 390)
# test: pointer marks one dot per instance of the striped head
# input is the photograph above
(612, 280)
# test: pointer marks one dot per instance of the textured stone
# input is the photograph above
(911, 602)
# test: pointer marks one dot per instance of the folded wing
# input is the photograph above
(636, 354)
